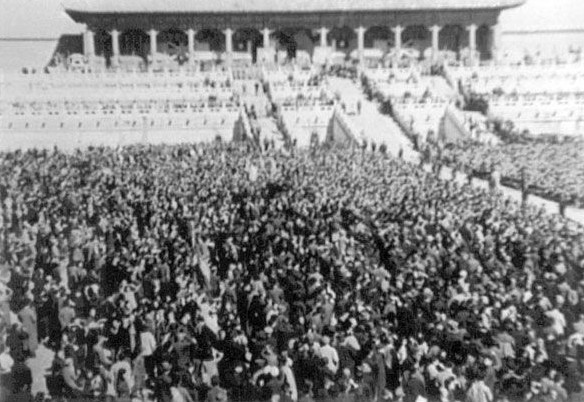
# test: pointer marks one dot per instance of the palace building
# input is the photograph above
(148, 28)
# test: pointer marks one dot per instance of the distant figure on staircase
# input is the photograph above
(524, 188)
(495, 179)
(562, 205)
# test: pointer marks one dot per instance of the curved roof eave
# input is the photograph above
(274, 6)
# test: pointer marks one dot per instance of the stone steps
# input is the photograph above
(375, 127)
(270, 131)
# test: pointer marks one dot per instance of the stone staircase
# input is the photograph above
(374, 126)
(380, 129)
(269, 131)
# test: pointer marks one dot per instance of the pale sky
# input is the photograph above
(46, 18)
(544, 14)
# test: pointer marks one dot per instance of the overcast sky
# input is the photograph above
(46, 18)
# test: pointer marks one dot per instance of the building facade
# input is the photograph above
(149, 27)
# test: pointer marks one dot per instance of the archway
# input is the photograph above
(210, 39)
(285, 39)
(417, 37)
(103, 44)
(135, 42)
(306, 40)
(247, 40)
(174, 42)
(344, 37)
(378, 37)
(453, 37)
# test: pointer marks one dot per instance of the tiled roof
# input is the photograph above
(274, 6)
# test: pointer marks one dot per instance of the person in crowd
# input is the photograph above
(71, 378)
(29, 321)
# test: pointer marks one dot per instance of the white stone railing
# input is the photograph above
(348, 126)
(397, 74)
(109, 79)
(516, 71)
(246, 123)
(307, 106)
(115, 108)
(159, 121)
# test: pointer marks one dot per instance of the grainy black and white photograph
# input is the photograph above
(291, 201)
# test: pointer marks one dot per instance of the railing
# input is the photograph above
(246, 126)
(111, 80)
(404, 127)
(449, 77)
(114, 108)
(456, 129)
(348, 128)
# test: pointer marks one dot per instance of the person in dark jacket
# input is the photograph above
(414, 385)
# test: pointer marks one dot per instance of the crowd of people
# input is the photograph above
(551, 170)
(219, 273)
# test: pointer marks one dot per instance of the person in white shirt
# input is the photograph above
(351, 341)
(147, 348)
(5, 296)
(559, 321)
(6, 361)
(330, 353)
(286, 369)
(479, 392)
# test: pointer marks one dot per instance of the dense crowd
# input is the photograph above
(551, 170)
(186, 273)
